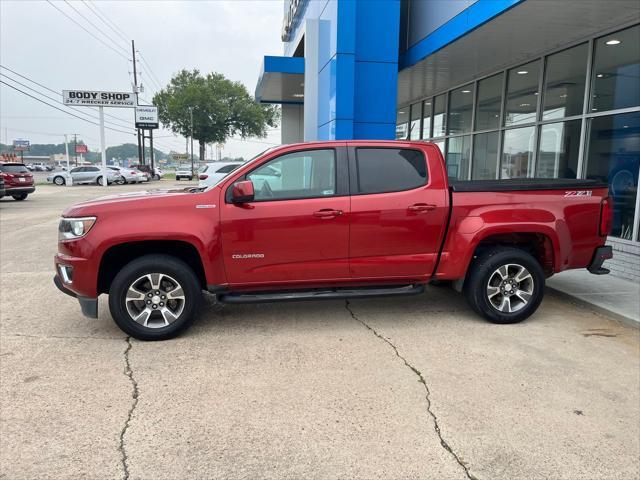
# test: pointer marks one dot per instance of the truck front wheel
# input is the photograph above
(154, 297)
(505, 285)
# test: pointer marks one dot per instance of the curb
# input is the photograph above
(628, 321)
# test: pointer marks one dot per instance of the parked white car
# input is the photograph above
(212, 173)
(128, 175)
(184, 172)
(84, 174)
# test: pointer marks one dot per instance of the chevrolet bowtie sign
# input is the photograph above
(146, 117)
(89, 98)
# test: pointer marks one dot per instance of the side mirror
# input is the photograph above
(242, 192)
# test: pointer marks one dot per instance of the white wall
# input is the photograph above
(292, 124)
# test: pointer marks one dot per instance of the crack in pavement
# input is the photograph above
(134, 395)
(422, 380)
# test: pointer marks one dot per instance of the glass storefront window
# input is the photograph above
(613, 156)
(485, 156)
(522, 94)
(402, 124)
(426, 119)
(414, 125)
(458, 155)
(460, 110)
(559, 150)
(489, 102)
(616, 71)
(517, 153)
(438, 115)
(564, 83)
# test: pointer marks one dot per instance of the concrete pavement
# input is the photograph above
(415, 387)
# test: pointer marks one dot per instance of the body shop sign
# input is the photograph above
(88, 98)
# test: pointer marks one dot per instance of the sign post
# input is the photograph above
(21, 146)
(66, 150)
(147, 119)
(93, 98)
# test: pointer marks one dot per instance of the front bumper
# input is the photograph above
(600, 255)
(89, 306)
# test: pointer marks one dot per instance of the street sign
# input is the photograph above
(90, 98)
(146, 117)
(21, 146)
(180, 156)
(82, 149)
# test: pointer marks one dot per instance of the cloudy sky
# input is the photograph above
(39, 42)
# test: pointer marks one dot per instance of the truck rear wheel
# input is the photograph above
(505, 285)
(155, 297)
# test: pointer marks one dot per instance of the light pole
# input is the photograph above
(191, 115)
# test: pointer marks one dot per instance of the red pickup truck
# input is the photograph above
(329, 220)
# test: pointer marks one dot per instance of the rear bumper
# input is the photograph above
(88, 306)
(18, 190)
(600, 255)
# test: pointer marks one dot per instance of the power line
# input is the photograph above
(114, 26)
(103, 18)
(94, 25)
(60, 109)
(152, 74)
(58, 101)
(88, 31)
(54, 91)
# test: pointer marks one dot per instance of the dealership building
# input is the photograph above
(506, 88)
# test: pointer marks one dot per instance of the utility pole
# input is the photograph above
(135, 88)
(191, 115)
(75, 149)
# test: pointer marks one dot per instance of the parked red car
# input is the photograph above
(329, 220)
(18, 181)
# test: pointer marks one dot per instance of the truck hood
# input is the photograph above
(134, 200)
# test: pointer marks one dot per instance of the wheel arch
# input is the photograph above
(117, 256)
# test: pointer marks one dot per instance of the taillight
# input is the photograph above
(203, 177)
(606, 216)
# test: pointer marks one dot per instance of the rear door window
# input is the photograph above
(381, 170)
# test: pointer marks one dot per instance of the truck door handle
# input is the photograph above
(327, 213)
(422, 207)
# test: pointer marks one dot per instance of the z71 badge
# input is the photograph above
(578, 193)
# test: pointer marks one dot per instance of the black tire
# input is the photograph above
(20, 197)
(156, 177)
(190, 178)
(99, 181)
(166, 265)
(483, 270)
(59, 180)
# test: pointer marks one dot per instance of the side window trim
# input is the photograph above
(341, 173)
(353, 170)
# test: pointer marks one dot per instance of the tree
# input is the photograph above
(221, 108)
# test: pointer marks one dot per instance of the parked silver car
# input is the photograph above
(84, 174)
(128, 175)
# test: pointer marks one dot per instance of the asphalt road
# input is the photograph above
(405, 388)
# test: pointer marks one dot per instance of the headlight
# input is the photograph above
(72, 228)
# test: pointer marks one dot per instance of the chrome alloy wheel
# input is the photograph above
(510, 288)
(155, 300)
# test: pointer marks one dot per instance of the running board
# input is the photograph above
(320, 294)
